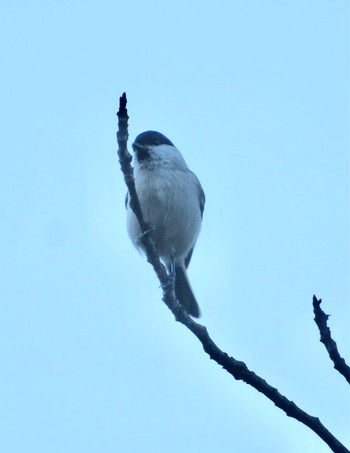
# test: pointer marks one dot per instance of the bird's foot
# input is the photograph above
(141, 237)
(169, 286)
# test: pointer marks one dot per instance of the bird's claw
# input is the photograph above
(141, 237)
(170, 284)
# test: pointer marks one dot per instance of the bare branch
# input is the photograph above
(321, 320)
(236, 368)
(240, 371)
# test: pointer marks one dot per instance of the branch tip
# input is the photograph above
(122, 112)
(316, 302)
(321, 319)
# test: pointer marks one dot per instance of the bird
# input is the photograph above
(172, 202)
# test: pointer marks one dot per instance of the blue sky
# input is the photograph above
(255, 94)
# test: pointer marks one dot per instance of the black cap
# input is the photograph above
(151, 138)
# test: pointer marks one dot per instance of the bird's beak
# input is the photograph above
(141, 151)
(138, 147)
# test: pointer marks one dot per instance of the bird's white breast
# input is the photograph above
(169, 201)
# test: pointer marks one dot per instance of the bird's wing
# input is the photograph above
(201, 200)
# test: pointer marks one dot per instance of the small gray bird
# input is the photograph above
(172, 201)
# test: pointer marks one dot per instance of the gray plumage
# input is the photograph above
(172, 202)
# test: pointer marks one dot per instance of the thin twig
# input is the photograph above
(236, 368)
(321, 320)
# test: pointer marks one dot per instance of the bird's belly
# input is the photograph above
(174, 217)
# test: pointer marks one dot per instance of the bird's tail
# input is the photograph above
(184, 292)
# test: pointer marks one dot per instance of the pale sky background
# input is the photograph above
(255, 94)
